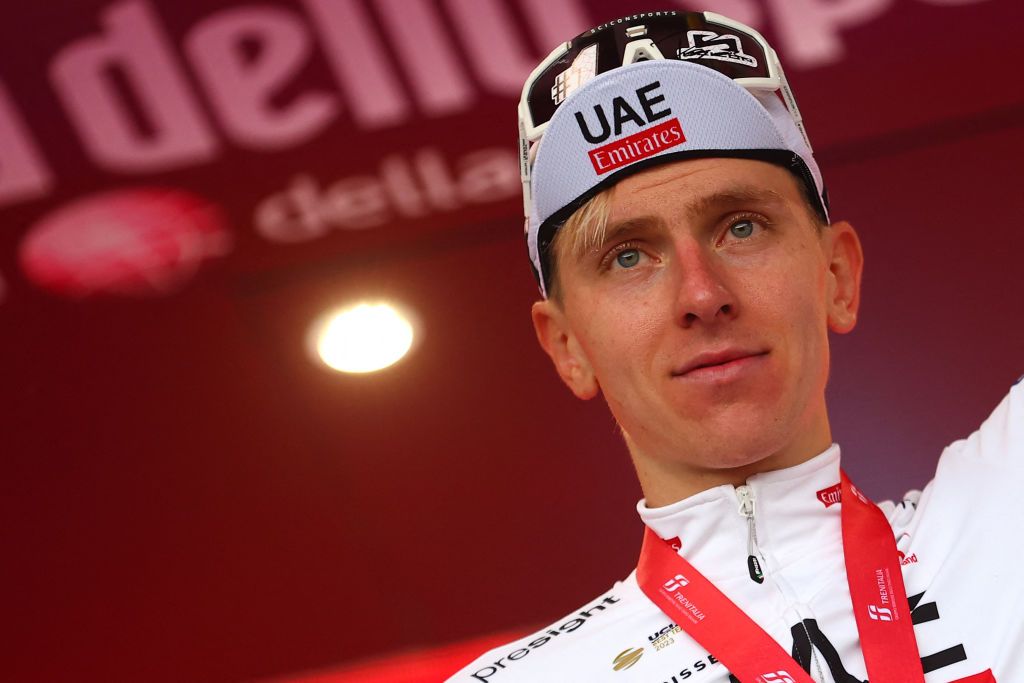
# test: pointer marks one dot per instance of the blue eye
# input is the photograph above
(742, 229)
(628, 258)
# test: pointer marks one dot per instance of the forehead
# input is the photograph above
(700, 185)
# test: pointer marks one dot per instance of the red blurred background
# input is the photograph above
(186, 186)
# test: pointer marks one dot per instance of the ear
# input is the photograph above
(558, 341)
(846, 260)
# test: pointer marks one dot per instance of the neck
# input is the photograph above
(667, 480)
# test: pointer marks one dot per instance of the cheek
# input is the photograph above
(620, 341)
(795, 294)
(809, 332)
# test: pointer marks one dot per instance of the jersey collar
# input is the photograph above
(795, 513)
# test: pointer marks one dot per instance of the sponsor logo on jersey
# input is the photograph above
(687, 673)
(627, 658)
(907, 559)
(710, 45)
(543, 637)
(831, 495)
(663, 638)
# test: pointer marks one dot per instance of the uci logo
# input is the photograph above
(676, 582)
(623, 112)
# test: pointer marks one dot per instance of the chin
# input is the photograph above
(737, 456)
(740, 443)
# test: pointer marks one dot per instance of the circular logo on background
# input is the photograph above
(138, 242)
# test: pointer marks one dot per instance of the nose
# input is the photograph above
(703, 295)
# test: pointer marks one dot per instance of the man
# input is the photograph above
(678, 226)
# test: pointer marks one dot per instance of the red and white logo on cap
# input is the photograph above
(138, 242)
(640, 109)
(638, 146)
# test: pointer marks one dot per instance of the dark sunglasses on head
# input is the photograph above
(704, 38)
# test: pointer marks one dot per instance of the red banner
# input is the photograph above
(325, 126)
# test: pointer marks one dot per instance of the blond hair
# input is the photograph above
(582, 232)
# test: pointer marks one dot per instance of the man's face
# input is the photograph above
(703, 315)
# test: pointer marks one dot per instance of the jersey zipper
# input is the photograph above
(755, 559)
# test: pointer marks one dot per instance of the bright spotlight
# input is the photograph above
(363, 338)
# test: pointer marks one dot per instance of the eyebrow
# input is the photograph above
(699, 206)
(731, 197)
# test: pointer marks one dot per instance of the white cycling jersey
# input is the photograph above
(962, 547)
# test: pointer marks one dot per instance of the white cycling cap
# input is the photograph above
(651, 112)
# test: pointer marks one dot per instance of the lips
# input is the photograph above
(717, 359)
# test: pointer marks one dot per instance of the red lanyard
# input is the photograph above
(876, 588)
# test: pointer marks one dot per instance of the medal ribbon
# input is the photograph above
(879, 598)
(876, 588)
